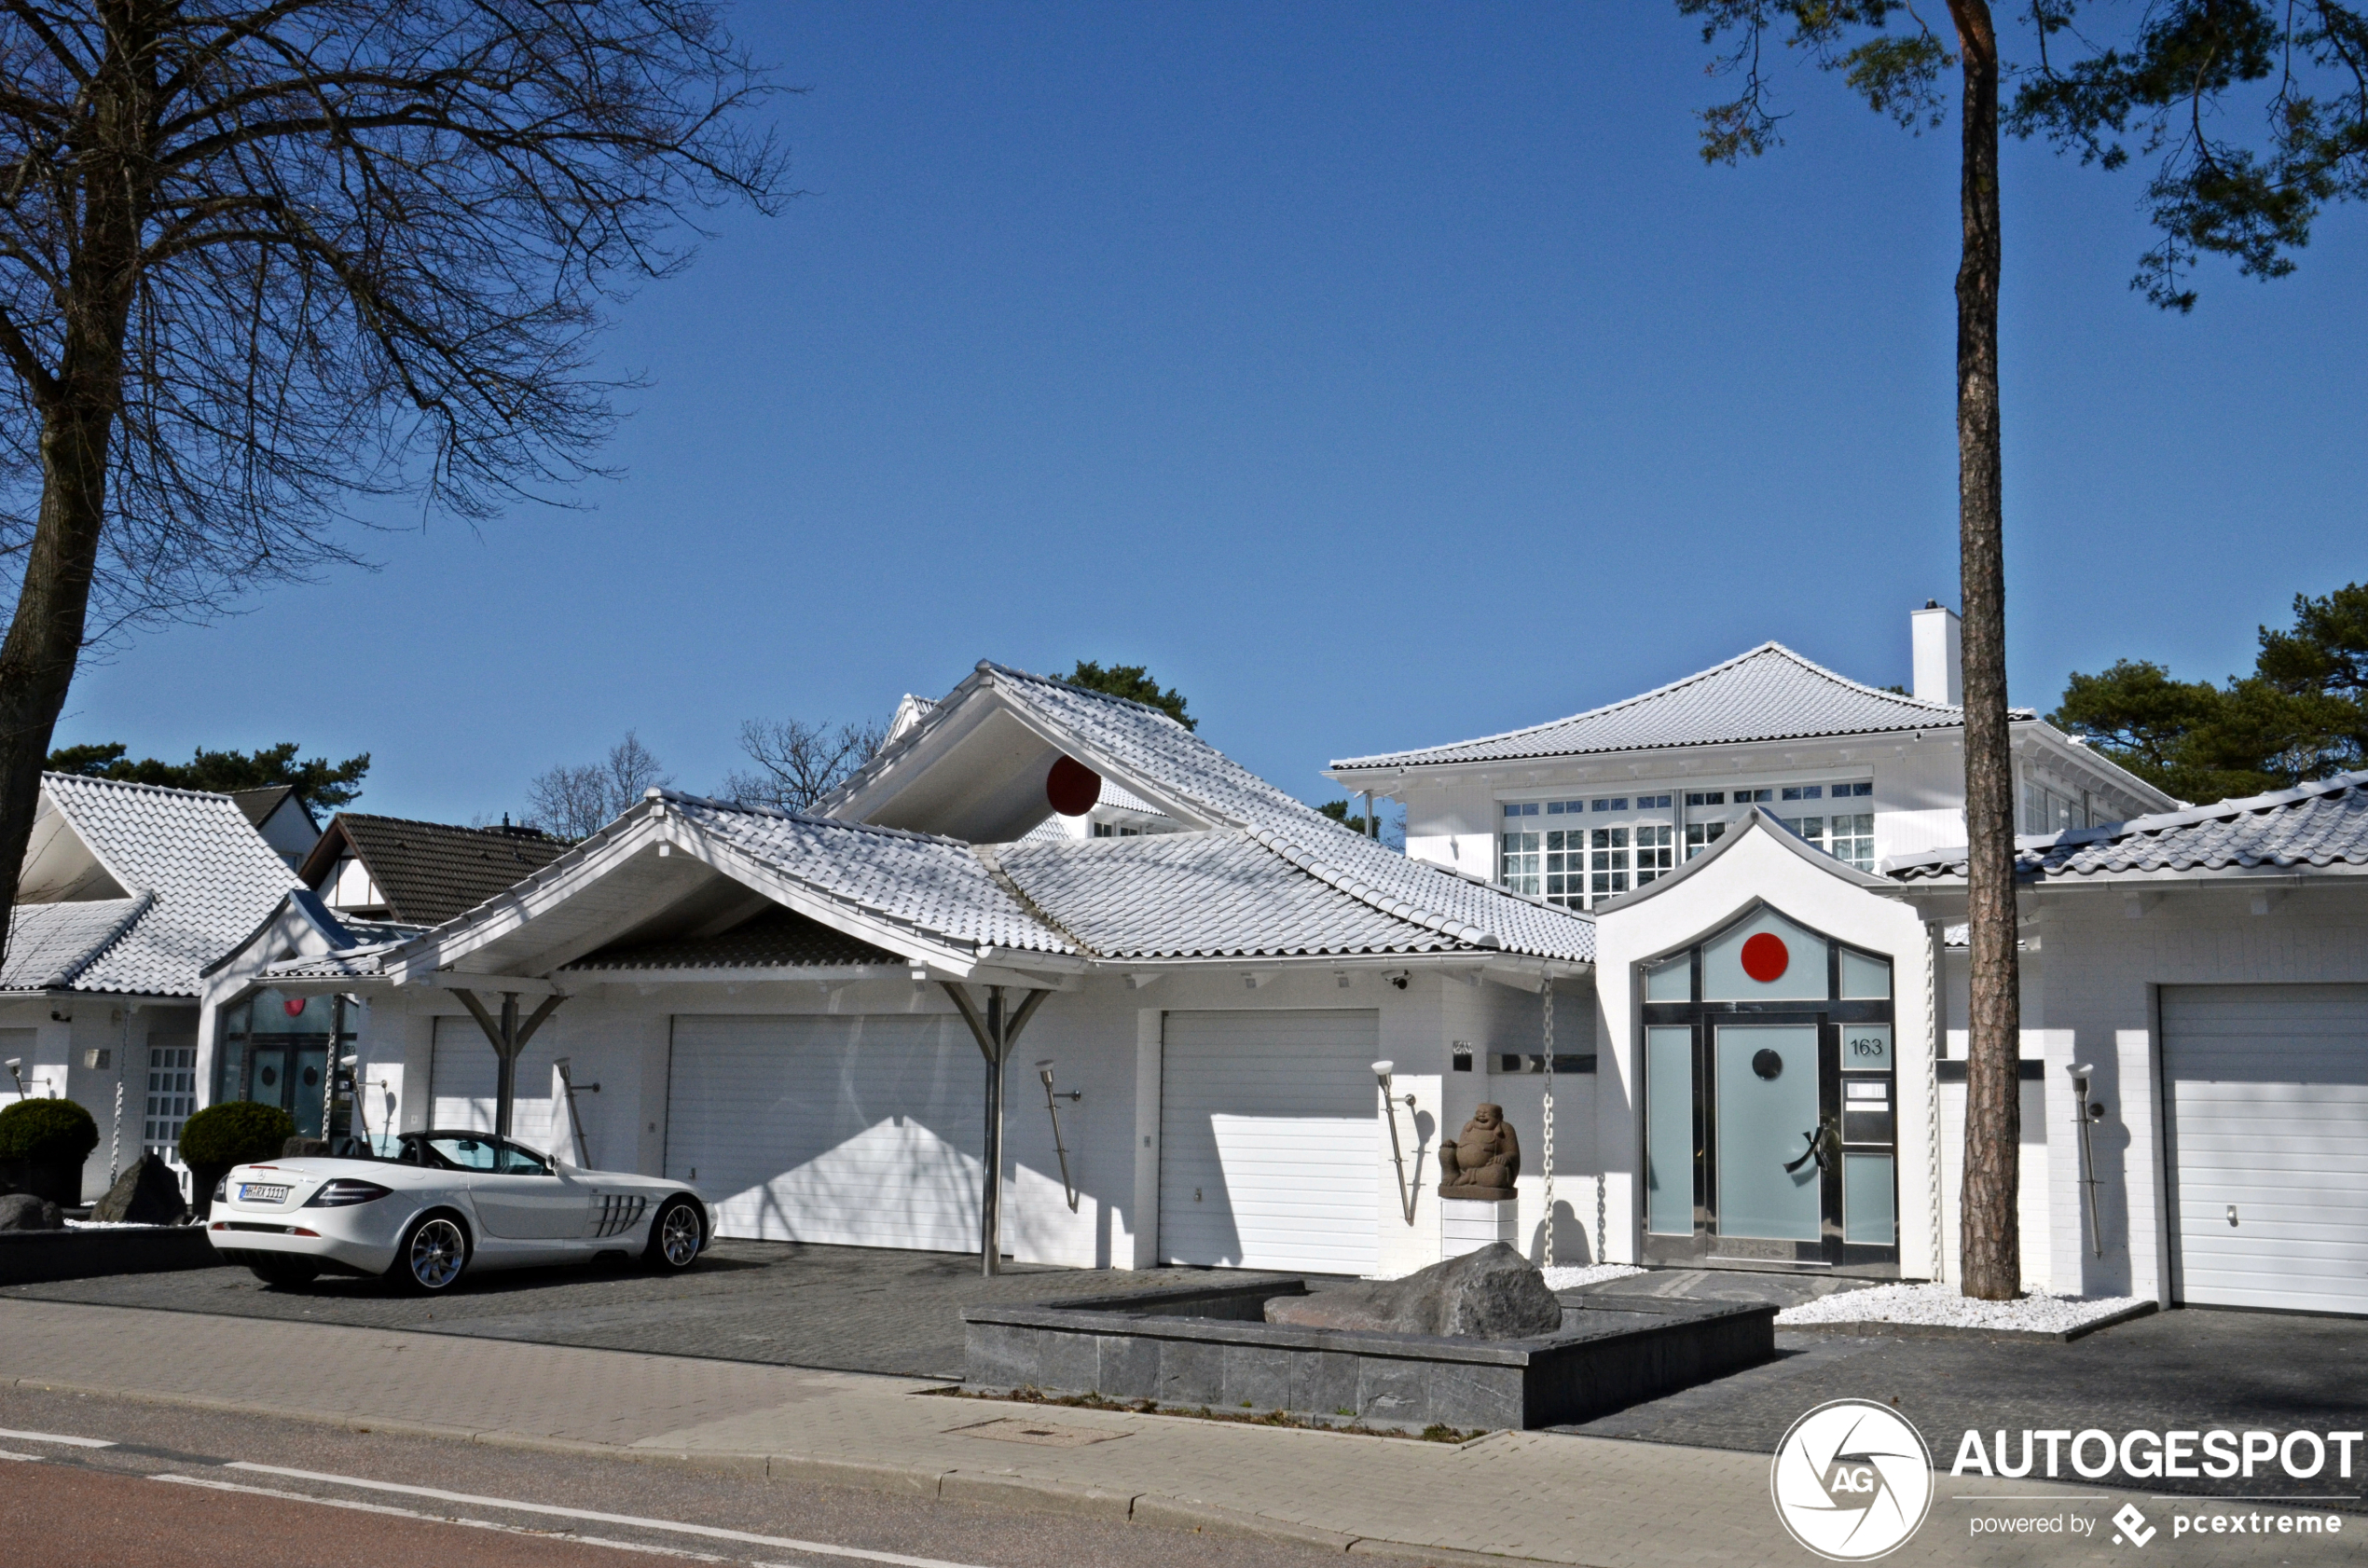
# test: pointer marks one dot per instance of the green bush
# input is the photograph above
(235, 1132)
(48, 1132)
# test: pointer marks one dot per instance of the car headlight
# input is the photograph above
(344, 1192)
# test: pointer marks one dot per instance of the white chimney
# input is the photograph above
(1940, 649)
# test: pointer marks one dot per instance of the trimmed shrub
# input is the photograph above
(48, 1133)
(234, 1132)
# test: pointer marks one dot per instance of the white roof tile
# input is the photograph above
(207, 876)
(1767, 693)
(2321, 826)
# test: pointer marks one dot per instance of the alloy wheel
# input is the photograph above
(679, 1235)
(438, 1250)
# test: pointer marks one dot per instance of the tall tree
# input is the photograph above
(265, 265)
(2245, 185)
(797, 763)
(1899, 74)
(576, 801)
(2302, 714)
(2169, 88)
(1135, 682)
(317, 779)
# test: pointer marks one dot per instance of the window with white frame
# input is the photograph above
(1566, 854)
(172, 1096)
(1656, 851)
(1607, 862)
(2049, 811)
(1517, 846)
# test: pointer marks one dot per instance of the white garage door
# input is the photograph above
(864, 1132)
(1267, 1129)
(464, 1078)
(2269, 1120)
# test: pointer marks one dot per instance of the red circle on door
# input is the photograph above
(293, 1006)
(1072, 787)
(1765, 958)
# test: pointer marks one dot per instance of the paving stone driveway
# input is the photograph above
(841, 1308)
(2193, 1368)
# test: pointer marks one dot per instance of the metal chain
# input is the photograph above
(1550, 1121)
(1934, 937)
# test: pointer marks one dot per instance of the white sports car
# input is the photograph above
(436, 1203)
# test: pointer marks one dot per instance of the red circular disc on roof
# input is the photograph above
(1072, 786)
(1765, 957)
(293, 1006)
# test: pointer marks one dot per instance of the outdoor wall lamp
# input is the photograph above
(14, 1063)
(1044, 1076)
(1396, 1153)
(2085, 1115)
(575, 1121)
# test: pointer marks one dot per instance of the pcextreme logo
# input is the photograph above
(1851, 1480)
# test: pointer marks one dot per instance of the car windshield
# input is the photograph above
(466, 1153)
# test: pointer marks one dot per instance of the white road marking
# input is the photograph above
(58, 1437)
(708, 1532)
(567, 1535)
(6, 1454)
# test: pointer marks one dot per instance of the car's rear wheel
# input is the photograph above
(432, 1254)
(676, 1236)
(273, 1269)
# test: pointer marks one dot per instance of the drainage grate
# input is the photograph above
(1004, 1429)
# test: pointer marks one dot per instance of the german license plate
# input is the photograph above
(260, 1192)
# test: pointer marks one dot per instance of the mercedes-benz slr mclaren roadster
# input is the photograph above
(425, 1207)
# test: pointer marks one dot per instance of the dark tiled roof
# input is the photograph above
(2321, 826)
(260, 804)
(431, 871)
(776, 939)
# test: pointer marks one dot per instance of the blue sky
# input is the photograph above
(1378, 375)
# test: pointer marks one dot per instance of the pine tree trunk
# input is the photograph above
(1991, 1244)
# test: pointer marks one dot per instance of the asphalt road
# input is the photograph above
(178, 1488)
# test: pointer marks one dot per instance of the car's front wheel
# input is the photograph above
(273, 1269)
(676, 1236)
(431, 1255)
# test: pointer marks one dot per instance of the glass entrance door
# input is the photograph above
(1770, 1183)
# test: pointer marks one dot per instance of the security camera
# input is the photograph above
(2081, 1069)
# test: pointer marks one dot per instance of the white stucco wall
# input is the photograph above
(1758, 869)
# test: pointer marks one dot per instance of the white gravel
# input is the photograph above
(1593, 1274)
(1944, 1306)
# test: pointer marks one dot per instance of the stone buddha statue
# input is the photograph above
(1482, 1160)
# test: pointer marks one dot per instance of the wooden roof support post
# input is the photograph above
(996, 1032)
(508, 1036)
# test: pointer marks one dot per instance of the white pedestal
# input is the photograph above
(1469, 1224)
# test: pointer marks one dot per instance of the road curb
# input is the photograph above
(1071, 1498)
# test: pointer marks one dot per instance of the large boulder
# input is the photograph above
(1491, 1294)
(147, 1194)
(22, 1211)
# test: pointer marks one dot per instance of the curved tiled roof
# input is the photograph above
(1770, 693)
(1161, 755)
(2320, 825)
(1218, 893)
(207, 877)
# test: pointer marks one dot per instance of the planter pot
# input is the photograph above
(58, 1182)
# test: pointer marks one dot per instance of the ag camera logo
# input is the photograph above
(1851, 1480)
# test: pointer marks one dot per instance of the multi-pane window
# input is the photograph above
(2048, 811)
(1518, 847)
(173, 1095)
(1608, 862)
(1701, 835)
(1811, 828)
(1852, 838)
(1656, 851)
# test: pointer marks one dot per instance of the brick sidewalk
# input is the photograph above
(1534, 1496)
